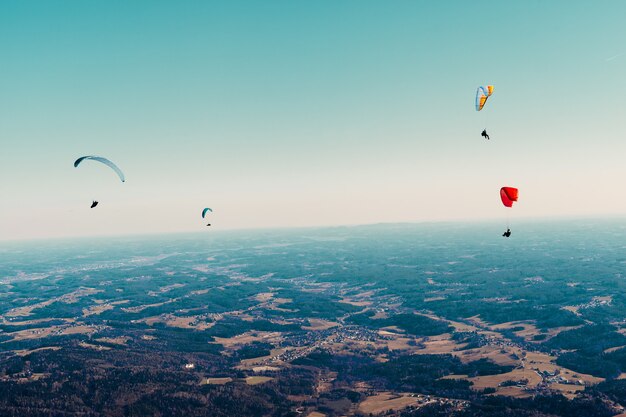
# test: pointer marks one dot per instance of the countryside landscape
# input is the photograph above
(394, 320)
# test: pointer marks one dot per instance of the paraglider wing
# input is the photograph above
(482, 94)
(104, 161)
(508, 196)
(205, 211)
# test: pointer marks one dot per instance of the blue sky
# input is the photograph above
(285, 113)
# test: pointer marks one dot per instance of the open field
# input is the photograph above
(93, 346)
(384, 401)
(43, 332)
(318, 324)
(28, 352)
(436, 345)
(120, 340)
(247, 338)
(217, 381)
(255, 380)
(190, 322)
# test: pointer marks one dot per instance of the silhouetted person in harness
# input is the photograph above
(507, 233)
(95, 203)
(484, 134)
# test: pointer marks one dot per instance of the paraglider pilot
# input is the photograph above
(507, 233)
(484, 134)
(95, 203)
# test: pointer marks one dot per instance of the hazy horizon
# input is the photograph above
(490, 226)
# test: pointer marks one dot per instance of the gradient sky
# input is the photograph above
(293, 113)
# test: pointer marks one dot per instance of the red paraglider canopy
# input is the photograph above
(508, 196)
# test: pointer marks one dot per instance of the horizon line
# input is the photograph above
(569, 218)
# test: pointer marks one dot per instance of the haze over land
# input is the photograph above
(336, 321)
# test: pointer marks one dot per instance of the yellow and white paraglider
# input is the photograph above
(482, 94)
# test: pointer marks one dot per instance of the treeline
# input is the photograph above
(311, 305)
(414, 324)
(89, 383)
(412, 373)
(588, 346)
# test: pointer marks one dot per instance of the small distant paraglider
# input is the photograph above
(482, 94)
(104, 161)
(508, 195)
(205, 211)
